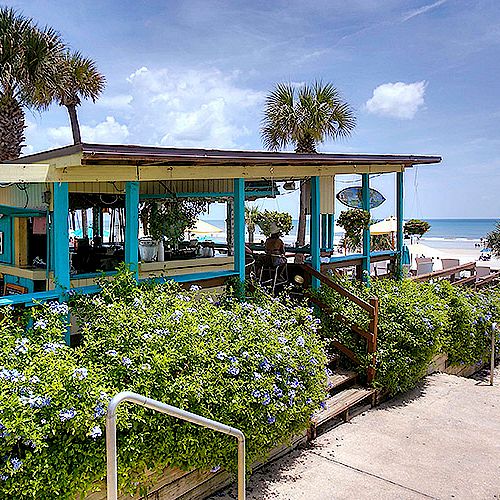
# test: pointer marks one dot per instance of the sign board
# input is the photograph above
(13, 289)
(353, 197)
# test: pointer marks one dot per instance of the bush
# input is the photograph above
(416, 321)
(256, 365)
(266, 219)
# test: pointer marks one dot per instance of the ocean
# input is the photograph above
(444, 233)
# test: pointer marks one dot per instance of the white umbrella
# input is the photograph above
(201, 227)
(386, 226)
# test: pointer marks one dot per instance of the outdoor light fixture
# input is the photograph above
(298, 279)
(289, 186)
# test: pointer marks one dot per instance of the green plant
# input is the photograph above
(493, 240)
(257, 365)
(353, 222)
(416, 227)
(416, 321)
(305, 117)
(170, 218)
(266, 219)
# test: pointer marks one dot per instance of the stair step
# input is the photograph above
(340, 403)
(340, 377)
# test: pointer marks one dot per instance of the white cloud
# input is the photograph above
(197, 108)
(108, 131)
(397, 100)
(118, 101)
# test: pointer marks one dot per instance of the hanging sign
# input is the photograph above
(353, 197)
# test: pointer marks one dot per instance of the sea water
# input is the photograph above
(444, 233)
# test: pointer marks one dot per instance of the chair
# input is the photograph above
(448, 264)
(381, 268)
(424, 265)
(276, 274)
(482, 272)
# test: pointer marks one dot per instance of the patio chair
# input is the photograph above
(448, 264)
(424, 265)
(381, 268)
(273, 274)
(482, 272)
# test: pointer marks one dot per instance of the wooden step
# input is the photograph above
(339, 378)
(339, 404)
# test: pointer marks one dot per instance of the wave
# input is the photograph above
(443, 238)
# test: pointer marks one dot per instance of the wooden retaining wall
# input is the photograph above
(175, 484)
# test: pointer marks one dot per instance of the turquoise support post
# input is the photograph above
(239, 227)
(331, 230)
(365, 187)
(324, 231)
(315, 228)
(399, 214)
(132, 226)
(60, 232)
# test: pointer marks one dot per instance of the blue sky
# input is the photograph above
(421, 75)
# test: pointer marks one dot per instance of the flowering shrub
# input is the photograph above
(256, 365)
(416, 321)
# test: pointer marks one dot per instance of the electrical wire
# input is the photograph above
(24, 187)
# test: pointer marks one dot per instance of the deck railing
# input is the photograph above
(371, 308)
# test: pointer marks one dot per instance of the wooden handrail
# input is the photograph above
(369, 335)
(487, 279)
(470, 266)
(339, 289)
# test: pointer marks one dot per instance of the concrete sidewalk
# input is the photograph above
(441, 440)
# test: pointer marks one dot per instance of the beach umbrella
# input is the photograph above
(405, 257)
(204, 228)
(386, 226)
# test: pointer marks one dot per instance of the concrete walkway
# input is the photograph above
(442, 440)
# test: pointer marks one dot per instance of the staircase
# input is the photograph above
(344, 389)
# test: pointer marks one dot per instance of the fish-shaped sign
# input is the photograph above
(353, 197)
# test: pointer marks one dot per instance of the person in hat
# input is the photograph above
(275, 248)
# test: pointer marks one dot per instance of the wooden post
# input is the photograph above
(132, 226)
(324, 231)
(366, 232)
(315, 228)
(372, 345)
(20, 241)
(239, 227)
(399, 214)
(331, 230)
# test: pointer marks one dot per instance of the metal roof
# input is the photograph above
(103, 154)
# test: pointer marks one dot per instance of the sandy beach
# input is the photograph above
(465, 255)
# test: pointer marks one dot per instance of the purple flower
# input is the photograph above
(58, 307)
(21, 346)
(309, 401)
(256, 393)
(282, 340)
(40, 323)
(16, 463)
(313, 361)
(232, 359)
(233, 370)
(126, 361)
(265, 365)
(245, 355)
(99, 410)
(194, 288)
(80, 373)
(215, 469)
(65, 415)
(176, 315)
(220, 355)
(257, 376)
(294, 383)
(300, 341)
(95, 432)
(111, 352)
(271, 420)
(52, 346)
(323, 405)
(278, 392)
(266, 399)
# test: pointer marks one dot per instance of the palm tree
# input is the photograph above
(28, 62)
(80, 80)
(305, 117)
(251, 215)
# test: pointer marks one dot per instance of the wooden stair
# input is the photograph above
(339, 405)
(340, 379)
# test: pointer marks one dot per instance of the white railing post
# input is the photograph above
(132, 397)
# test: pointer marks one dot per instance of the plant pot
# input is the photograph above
(148, 249)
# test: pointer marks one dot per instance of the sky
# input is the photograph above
(422, 77)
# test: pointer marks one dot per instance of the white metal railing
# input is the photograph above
(492, 359)
(132, 397)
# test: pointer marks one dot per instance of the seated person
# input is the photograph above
(275, 248)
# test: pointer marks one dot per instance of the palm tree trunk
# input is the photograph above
(75, 126)
(11, 128)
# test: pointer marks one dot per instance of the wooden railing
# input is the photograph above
(452, 273)
(371, 308)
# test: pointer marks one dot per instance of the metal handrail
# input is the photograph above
(492, 359)
(132, 397)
